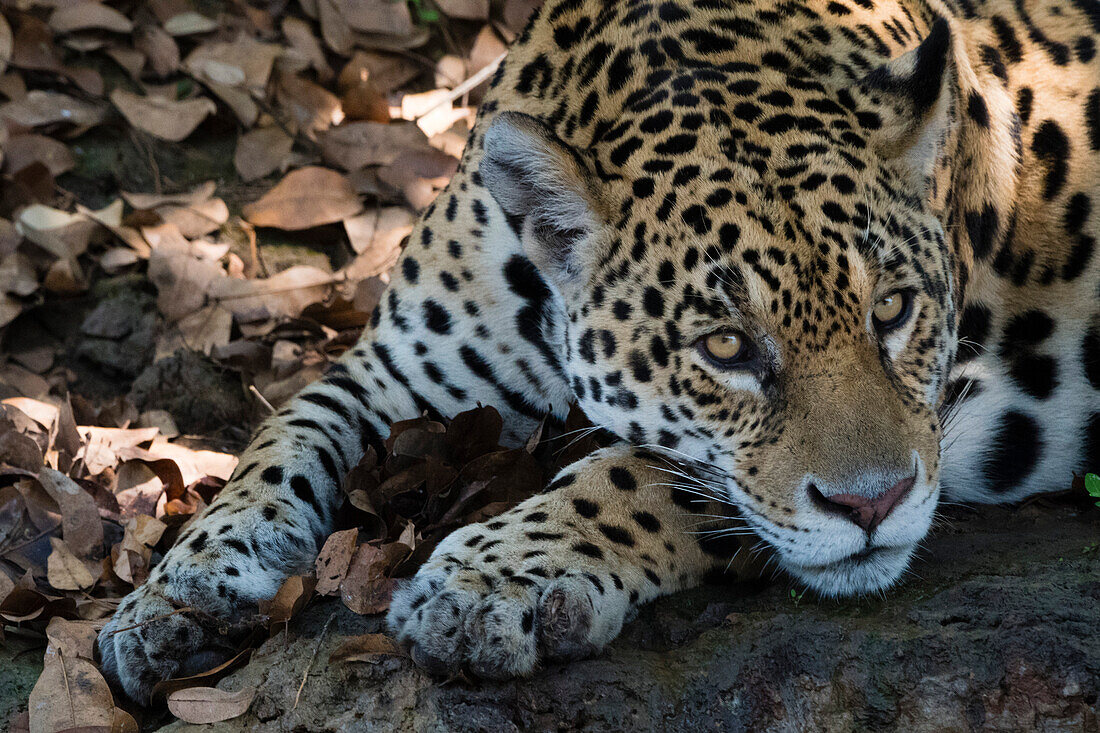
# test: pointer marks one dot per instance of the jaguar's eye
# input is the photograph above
(893, 310)
(726, 349)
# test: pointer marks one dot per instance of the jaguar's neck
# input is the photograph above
(976, 187)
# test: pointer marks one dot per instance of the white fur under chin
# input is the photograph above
(855, 575)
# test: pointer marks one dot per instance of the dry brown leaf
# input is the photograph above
(334, 559)
(334, 27)
(312, 107)
(292, 595)
(131, 60)
(18, 275)
(198, 195)
(367, 587)
(189, 23)
(64, 570)
(196, 220)
(207, 328)
(70, 693)
(518, 12)
(386, 71)
(22, 150)
(378, 16)
(19, 450)
(244, 63)
(40, 107)
(376, 237)
(305, 198)
(89, 16)
(34, 48)
(465, 9)
(203, 705)
(62, 234)
(209, 677)
(366, 648)
(285, 294)
(80, 524)
(357, 144)
(262, 151)
(302, 41)
(6, 43)
(160, 49)
(163, 118)
(180, 272)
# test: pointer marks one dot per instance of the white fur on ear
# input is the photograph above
(916, 90)
(544, 187)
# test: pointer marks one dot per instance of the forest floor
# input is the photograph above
(199, 205)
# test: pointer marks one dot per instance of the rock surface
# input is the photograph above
(997, 628)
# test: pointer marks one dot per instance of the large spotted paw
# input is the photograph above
(499, 607)
(150, 639)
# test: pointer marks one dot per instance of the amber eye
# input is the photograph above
(893, 310)
(726, 349)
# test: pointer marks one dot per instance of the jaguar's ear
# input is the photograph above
(545, 189)
(914, 95)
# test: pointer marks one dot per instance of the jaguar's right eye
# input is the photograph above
(726, 349)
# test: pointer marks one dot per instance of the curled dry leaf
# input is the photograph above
(305, 198)
(211, 676)
(89, 16)
(291, 597)
(64, 570)
(163, 118)
(333, 561)
(204, 705)
(366, 648)
(368, 585)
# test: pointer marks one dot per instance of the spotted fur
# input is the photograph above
(644, 174)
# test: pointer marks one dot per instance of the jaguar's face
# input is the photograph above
(789, 351)
(771, 309)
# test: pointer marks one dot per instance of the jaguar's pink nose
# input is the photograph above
(867, 512)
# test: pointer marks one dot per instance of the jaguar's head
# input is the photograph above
(756, 282)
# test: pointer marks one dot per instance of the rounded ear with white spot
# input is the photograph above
(916, 110)
(545, 189)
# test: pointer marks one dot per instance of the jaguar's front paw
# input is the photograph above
(500, 610)
(150, 639)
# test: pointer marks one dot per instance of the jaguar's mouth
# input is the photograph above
(869, 570)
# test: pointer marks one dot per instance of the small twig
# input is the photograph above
(260, 397)
(31, 541)
(68, 692)
(151, 620)
(467, 85)
(312, 657)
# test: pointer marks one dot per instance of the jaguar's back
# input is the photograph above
(809, 260)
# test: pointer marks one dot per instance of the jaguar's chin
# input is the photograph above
(868, 571)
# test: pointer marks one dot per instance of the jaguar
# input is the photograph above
(815, 264)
